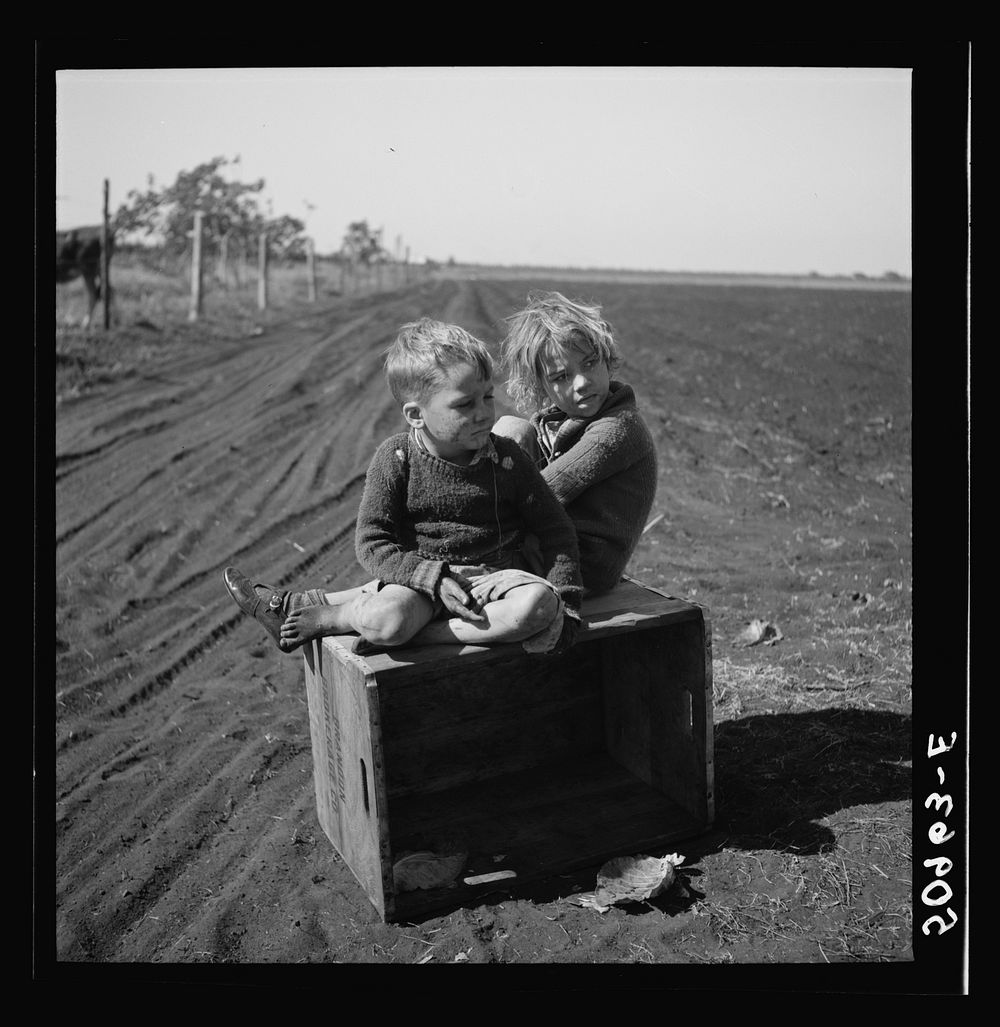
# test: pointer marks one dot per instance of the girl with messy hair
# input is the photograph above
(583, 429)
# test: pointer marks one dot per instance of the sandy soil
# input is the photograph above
(186, 829)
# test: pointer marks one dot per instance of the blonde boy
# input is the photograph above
(442, 522)
(585, 432)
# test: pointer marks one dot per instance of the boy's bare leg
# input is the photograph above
(390, 617)
(521, 613)
(308, 622)
(347, 595)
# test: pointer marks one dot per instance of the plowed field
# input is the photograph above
(186, 828)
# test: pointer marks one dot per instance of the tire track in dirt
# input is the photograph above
(70, 462)
(148, 536)
(153, 569)
(117, 745)
(191, 628)
(230, 426)
(192, 828)
(218, 791)
(158, 576)
(93, 518)
(221, 889)
(187, 610)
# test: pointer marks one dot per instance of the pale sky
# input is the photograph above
(770, 170)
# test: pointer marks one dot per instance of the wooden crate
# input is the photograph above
(554, 763)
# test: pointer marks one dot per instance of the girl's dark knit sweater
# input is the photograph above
(603, 471)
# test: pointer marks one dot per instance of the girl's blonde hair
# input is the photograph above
(423, 354)
(548, 324)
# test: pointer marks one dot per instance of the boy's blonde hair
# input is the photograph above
(550, 323)
(423, 353)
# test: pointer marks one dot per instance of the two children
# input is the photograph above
(441, 523)
(478, 536)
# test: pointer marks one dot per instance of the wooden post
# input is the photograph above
(106, 258)
(311, 269)
(223, 269)
(262, 272)
(195, 312)
(406, 267)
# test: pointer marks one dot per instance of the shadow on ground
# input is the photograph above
(776, 776)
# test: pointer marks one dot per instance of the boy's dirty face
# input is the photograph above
(576, 379)
(455, 419)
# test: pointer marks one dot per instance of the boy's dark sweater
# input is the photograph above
(603, 471)
(419, 514)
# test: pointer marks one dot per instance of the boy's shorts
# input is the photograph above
(490, 584)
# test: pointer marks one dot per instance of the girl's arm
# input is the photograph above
(379, 528)
(607, 446)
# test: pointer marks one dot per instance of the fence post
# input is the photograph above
(222, 272)
(262, 272)
(195, 311)
(311, 269)
(106, 258)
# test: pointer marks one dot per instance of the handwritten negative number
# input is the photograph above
(938, 892)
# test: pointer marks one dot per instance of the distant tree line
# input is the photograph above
(363, 245)
(860, 276)
(232, 210)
